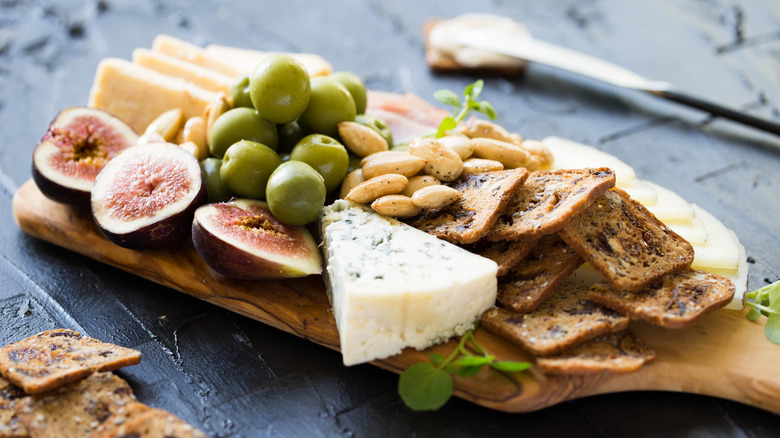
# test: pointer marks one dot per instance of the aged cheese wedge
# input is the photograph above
(189, 52)
(721, 250)
(168, 65)
(393, 286)
(246, 59)
(668, 205)
(692, 230)
(138, 95)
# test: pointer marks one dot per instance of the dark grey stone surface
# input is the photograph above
(232, 376)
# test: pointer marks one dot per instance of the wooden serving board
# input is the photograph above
(723, 355)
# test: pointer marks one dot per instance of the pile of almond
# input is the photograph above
(404, 183)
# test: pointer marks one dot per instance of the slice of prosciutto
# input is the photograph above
(407, 115)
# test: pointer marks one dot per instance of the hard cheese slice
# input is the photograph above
(393, 286)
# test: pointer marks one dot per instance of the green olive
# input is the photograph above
(216, 189)
(295, 193)
(241, 124)
(355, 86)
(377, 125)
(246, 167)
(326, 155)
(289, 135)
(330, 104)
(239, 91)
(280, 89)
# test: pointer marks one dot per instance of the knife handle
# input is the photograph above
(719, 110)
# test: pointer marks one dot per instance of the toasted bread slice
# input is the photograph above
(674, 302)
(549, 199)
(528, 282)
(506, 253)
(619, 352)
(53, 358)
(483, 196)
(625, 243)
(10, 395)
(141, 421)
(76, 409)
(566, 319)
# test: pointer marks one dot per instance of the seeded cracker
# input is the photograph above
(506, 253)
(76, 409)
(620, 352)
(674, 302)
(626, 243)
(52, 358)
(10, 395)
(567, 318)
(528, 282)
(483, 197)
(549, 199)
(141, 421)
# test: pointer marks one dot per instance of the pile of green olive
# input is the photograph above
(278, 142)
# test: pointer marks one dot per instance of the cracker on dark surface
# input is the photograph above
(549, 199)
(620, 352)
(53, 358)
(567, 318)
(140, 421)
(75, 409)
(528, 282)
(506, 253)
(10, 395)
(626, 243)
(483, 197)
(674, 302)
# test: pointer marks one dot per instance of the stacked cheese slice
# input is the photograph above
(175, 74)
(716, 248)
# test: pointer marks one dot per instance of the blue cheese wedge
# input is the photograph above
(393, 286)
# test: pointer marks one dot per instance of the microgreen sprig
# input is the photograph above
(766, 301)
(465, 108)
(428, 386)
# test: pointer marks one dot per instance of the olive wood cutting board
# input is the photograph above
(722, 355)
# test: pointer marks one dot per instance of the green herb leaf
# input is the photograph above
(436, 358)
(470, 361)
(753, 314)
(468, 371)
(447, 97)
(424, 388)
(446, 124)
(510, 366)
(487, 109)
(474, 90)
(772, 329)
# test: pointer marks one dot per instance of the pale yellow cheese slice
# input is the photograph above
(168, 65)
(569, 154)
(138, 95)
(189, 52)
(246, 59)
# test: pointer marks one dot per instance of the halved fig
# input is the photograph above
(147, 195)
(242, 239)
(76, 147)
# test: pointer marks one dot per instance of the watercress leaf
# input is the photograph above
(447, 97)
(475, 89)
(753, 314)
(445, 125)
(471, 361)
(450, 369)
(437, 358)
(424, 388)
(507, 365)
(772, 329)
(468, 371)
(487, 109)
(773, 295)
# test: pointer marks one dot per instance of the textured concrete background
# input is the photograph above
(234, 377)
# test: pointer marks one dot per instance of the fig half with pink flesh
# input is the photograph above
(76, 147)
(241, 238)
(146, 196)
